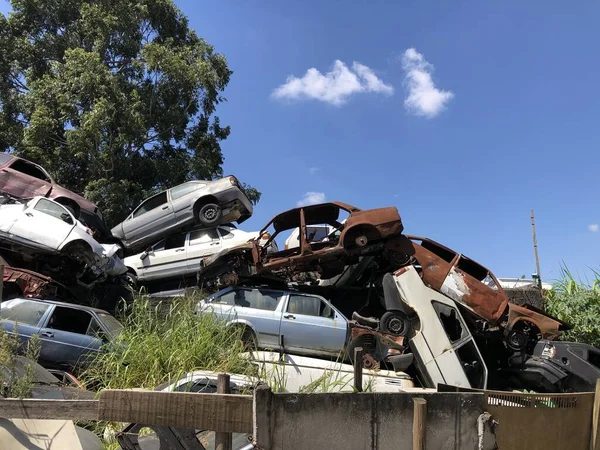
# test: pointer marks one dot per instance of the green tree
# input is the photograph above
(116, 98)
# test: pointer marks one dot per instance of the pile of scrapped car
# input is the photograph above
(345, 278)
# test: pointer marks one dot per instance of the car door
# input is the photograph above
(310, 325)
(67, 337)
(24, 179)
(167, 258)
(44, 222)
(256, 308)
(202, 243)
(148, 219)
(23, 317)
(463, 349)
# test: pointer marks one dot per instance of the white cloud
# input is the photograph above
(423, 98)
(335, 87)
(593, 227)
(313, 170)
(311, 198)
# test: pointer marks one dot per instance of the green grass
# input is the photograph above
(161, 343)
(577, 302)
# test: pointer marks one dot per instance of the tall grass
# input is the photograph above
(577, 302)
(15, 383)
(161, 343)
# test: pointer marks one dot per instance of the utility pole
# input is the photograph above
(535, 251)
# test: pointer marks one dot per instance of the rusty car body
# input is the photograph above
(25, 283)
(364, 232)
(24, 179)
(477, 290)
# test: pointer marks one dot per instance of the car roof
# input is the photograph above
(55, 302)
(324, 212)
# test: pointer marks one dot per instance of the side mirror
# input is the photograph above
(66, 218)
(145, 253)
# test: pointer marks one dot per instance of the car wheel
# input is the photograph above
(131, 279)
(361, 240)
(249, 340)
(209, 214)
(395, 322)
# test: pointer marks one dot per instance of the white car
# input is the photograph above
(444, 348)
(179, 255)
(42, 225)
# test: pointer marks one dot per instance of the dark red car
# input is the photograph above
(23, 179)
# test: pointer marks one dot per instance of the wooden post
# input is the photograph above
(223, 440)
(595, 435)
(358, 369)
(419, 423)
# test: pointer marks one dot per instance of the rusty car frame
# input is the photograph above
(25, 283)
(476, 289)
(364, 232)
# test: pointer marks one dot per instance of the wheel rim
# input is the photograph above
(361, 241)
(210, 213)
(396, 325)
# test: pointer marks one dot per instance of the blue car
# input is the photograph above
(69, 334)
(295, 322)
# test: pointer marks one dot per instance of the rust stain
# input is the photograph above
(32, 284)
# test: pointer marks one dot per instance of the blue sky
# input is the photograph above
(503, 117)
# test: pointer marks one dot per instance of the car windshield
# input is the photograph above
(113, 325)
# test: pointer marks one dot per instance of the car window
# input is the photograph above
(225, 233)
(454, 328)
(30, 169)
(185, 188)
(70, 319)
(51, 208)
(95, 330)
(309, 306)
(111, 323)
(256, 298)
(151, 203)
(4, 158)
(23, 311)
(472, 364)
(250, 298)
(315, 233)
(204, 236)
(175, 241)
(160, 245)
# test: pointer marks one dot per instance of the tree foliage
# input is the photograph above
(116, 98)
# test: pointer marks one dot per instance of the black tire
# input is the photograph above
(209, 214)
(131, 279)
(395, 322)
(249, 340)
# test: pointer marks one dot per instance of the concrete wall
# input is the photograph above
(363, 420)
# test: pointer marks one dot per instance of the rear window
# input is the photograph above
(185, 188)
(23, 311)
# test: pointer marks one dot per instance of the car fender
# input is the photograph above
(244, 322)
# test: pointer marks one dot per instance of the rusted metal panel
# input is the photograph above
(441, 272)
(32, 284)
(549, 327)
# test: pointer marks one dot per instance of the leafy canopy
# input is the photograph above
(115, 98)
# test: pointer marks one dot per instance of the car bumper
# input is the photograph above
(235, 199)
